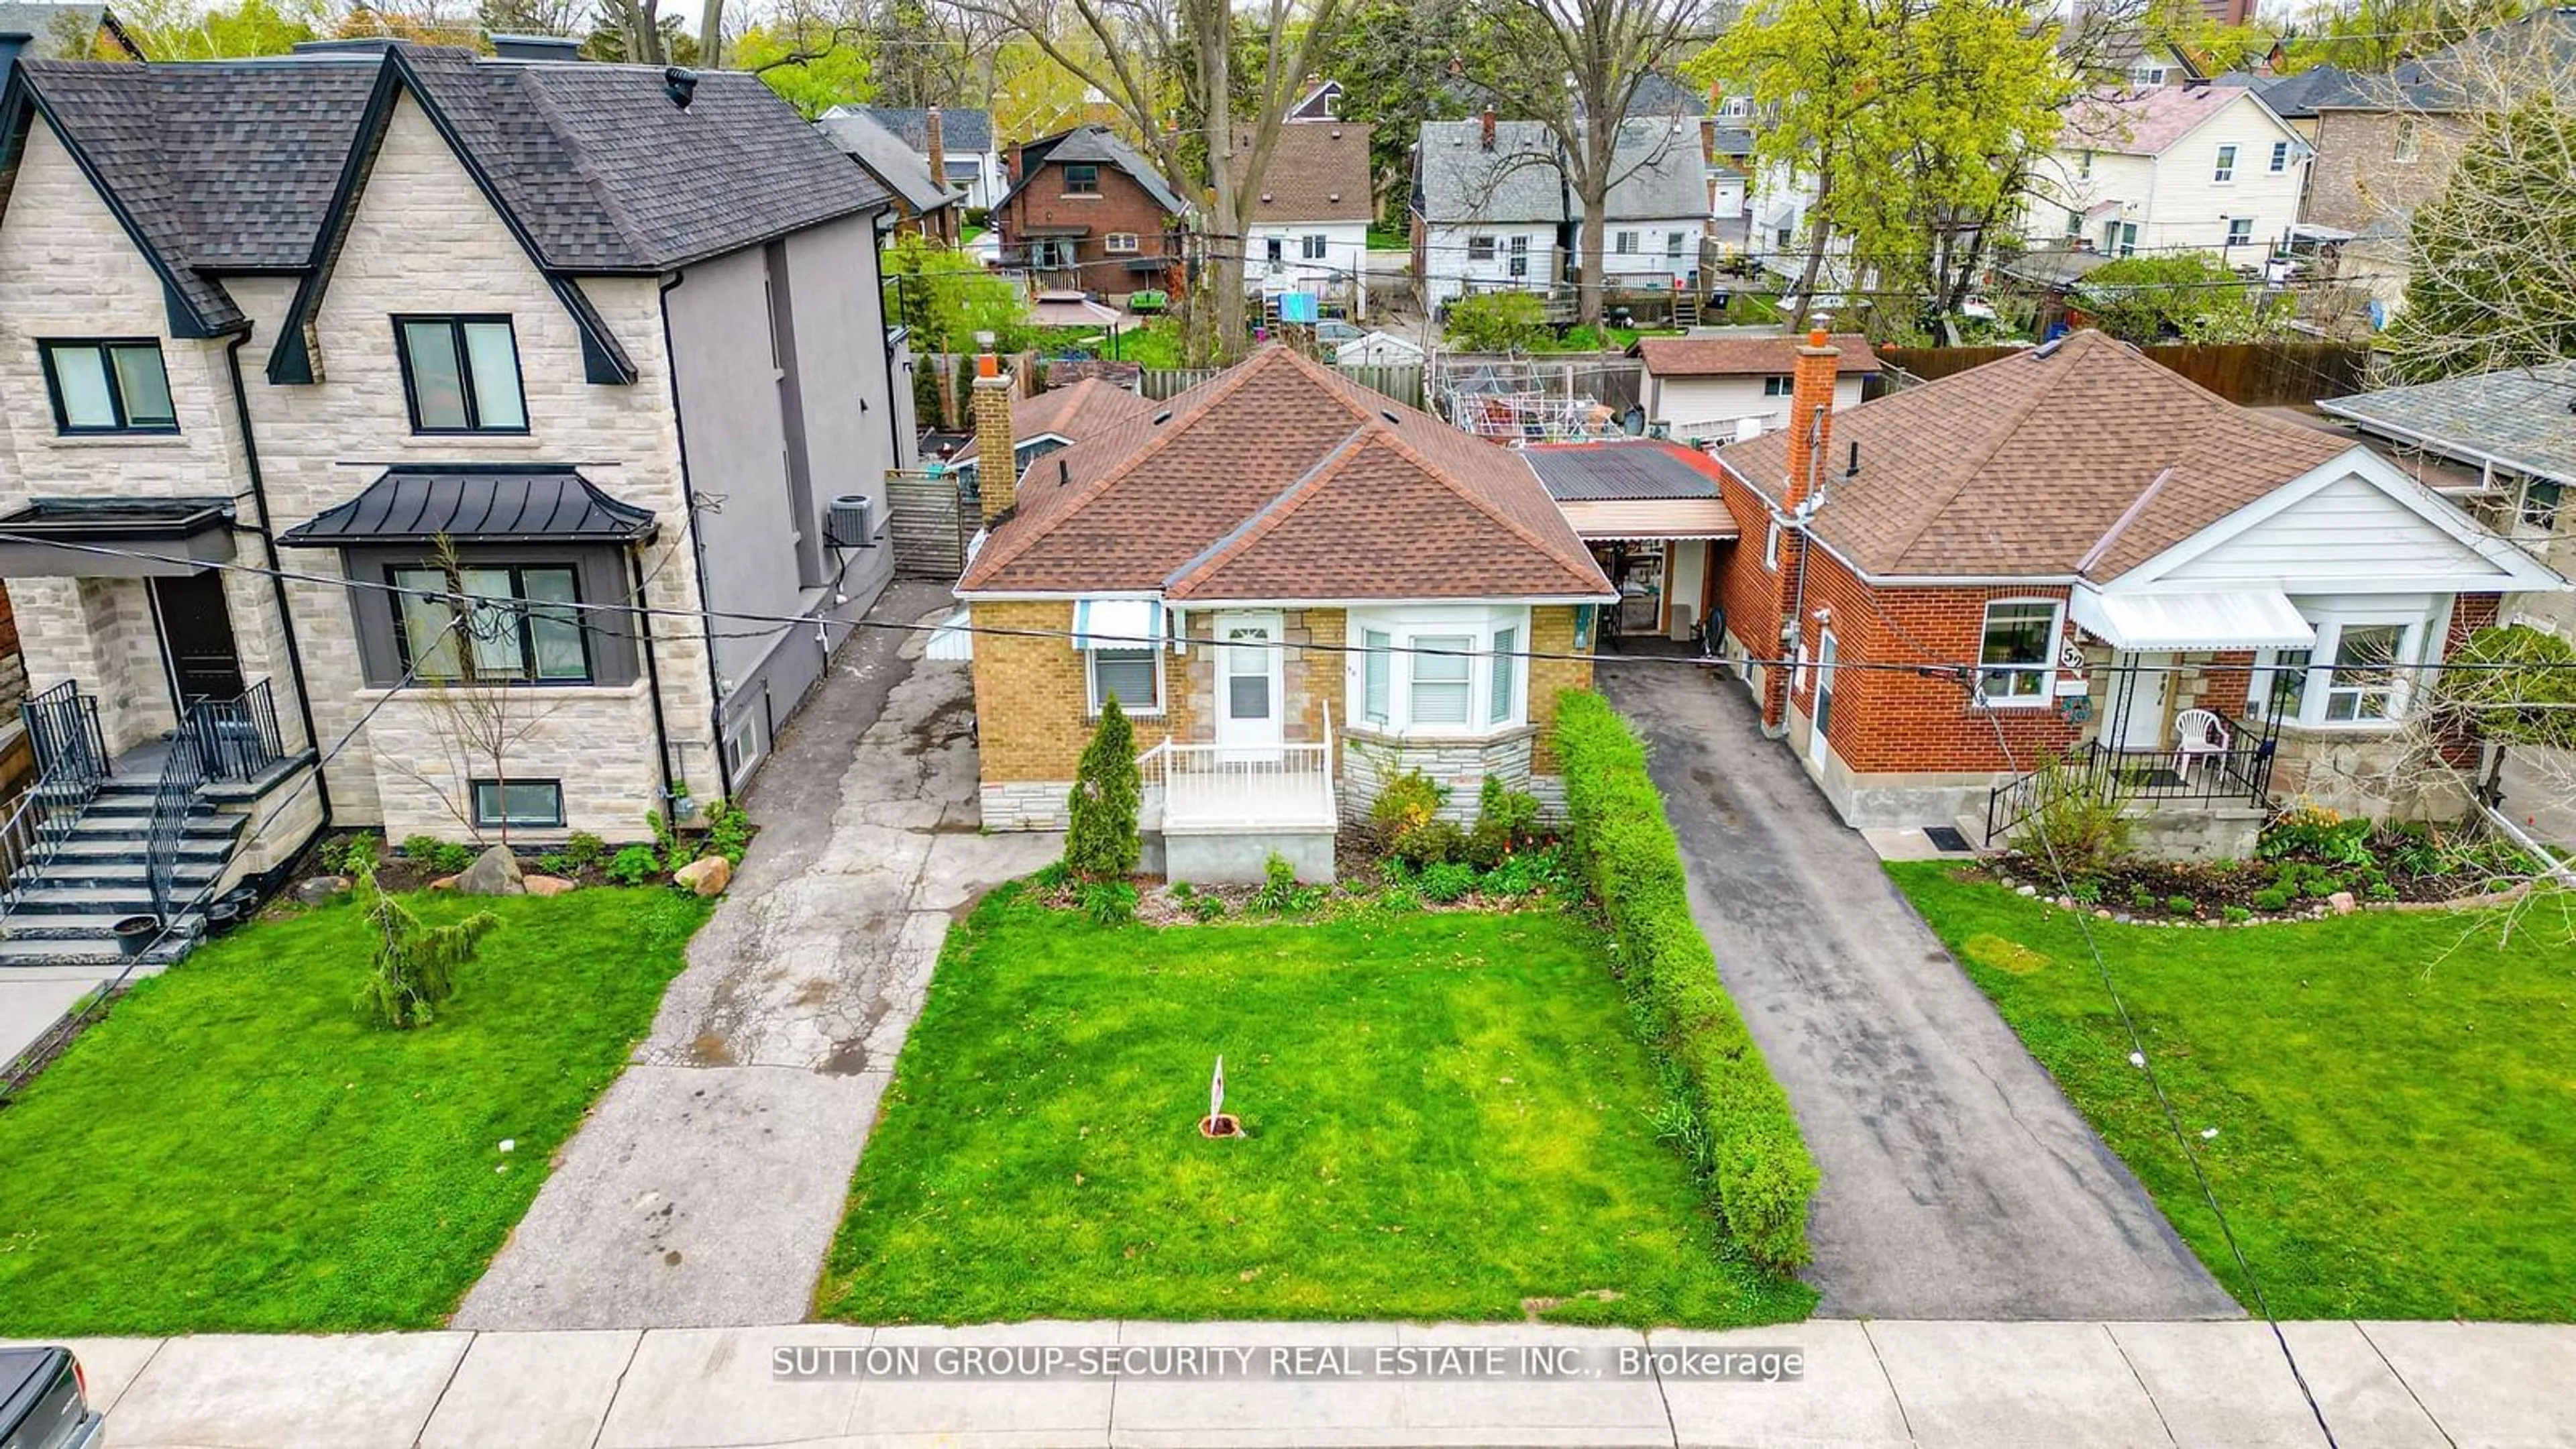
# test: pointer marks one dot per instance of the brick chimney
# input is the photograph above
(931, 142)
(1488, 119)
(1811, 406)
(997, 464)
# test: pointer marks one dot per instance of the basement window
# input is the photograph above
(530, 804)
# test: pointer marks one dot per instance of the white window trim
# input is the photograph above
(1091, 684)
(1771, 547)
(2410, 651)
(2047, 693)
(1112, 242)
(1403, 625)
(2222, 171)
(2280, 161)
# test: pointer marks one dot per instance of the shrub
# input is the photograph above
(582, 849)
(1109, 902)
(1436, 843)
(2086, 892)
(2181, 905)
(414, 968)
(633, 865)
(2079, 824)
(1498, 322)
(1278, 893)
(1506, 820)
(1448, 881)
(554, 862)
(672, 851)
(1406, 819)
(2141, 898)
(2316, 834)
(1101, 843)
(728, 832)
(351, 855)
(2271, 898)
(1756, 1166)
(1400, 897)
(1208, 908)
(2235, 915)
(442, 857)
(1527, 873)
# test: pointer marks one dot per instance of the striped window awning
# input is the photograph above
(1117, 624)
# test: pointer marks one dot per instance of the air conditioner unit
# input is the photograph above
(852, 522)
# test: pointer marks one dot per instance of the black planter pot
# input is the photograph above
(134, 933)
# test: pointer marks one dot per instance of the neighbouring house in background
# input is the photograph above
(1650, 512)
(2510, 442)
(1491, 210)
(2074, 552)
(1296, 588)
(923, 204)
(1084, 211)
(612, 335)
(1720, 389)
(63, 32)
(1309, 227)
(2170, 169)
(1321, 102)
(1055, 419)
(957, 146)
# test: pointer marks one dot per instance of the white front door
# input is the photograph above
(2138, 701)
(1825, 651)
(1248, 703)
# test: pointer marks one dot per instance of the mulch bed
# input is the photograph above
(2214, 888)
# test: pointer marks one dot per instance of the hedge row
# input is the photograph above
(1757, 1168)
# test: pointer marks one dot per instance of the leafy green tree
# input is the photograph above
(1917, 119)
(1100, 839)
(2518, 685)
(2186, 296)
(414, 968)
(945, 296)
(1392, 58)
(813, 66)
(176, 30)
(1498, 322)
(2493, 277)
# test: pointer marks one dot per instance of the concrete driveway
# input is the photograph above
(706, 1187)
(1958, 1182)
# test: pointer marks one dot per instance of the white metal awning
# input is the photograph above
(2234, 619)
(1117, 623)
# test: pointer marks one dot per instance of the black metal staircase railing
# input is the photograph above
(174, 799)
(71, 760)
(237, 739)
(2240, 772)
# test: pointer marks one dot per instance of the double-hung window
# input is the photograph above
(1118, 243)
(521, 624)
(1779, 386)
(1311, 247)
(2280, 157)
(1439, 670)
(1081, 178)
(2017, 653)
(109, 386)
(2240, 231)
(1673, 245)
(1133, 677)
(1480, 249)
(2225, 171)
(1519, 261)
(2410, 141)
(461, 374)
(1625, 243)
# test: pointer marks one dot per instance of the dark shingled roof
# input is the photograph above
(1630, 468)
(2522, 418)
(480, 505)
(232, 166)
(1099, 145)
(959, 131)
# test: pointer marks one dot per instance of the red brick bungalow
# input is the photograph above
(2209, 604)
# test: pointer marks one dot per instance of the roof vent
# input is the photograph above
(1389, 415)
(558, 48)
(1265, 198)
(2049, 348)
(681, 84)
(1162, 417)
(358, 45)
(1333, 196)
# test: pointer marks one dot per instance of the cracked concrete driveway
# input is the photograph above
(706, 1187)
(1958, 1181)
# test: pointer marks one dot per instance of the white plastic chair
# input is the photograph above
(2196, 732)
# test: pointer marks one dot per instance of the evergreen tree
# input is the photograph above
(1100, 843)
(415, 965)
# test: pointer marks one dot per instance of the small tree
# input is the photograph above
(2192, 296)
(1100, 841)
(1498, 322)
(415, 965)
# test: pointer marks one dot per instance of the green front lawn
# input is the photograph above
(2394, 1092)
(235, 1149)
(1449, 1117)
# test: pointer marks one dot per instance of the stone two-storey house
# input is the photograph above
(1085, 212)
(363, 408)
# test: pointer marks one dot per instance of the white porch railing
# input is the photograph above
(1214, 787)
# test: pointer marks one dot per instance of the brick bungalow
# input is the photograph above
(1296, 588)
(1085, 211)
(2211, 605)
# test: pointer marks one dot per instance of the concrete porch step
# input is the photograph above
(103, 845)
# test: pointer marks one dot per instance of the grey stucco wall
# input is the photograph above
(732, 413)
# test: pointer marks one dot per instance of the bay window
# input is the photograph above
(1439, 669)
(522, 625)
(2358, 675)
(2017, 652)
(2362, 685)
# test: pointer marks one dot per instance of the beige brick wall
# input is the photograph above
(598, 742)
(1552, 632)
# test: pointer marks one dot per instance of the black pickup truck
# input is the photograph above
(44, 1402)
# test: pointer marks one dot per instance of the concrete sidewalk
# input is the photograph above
(1886, 1383)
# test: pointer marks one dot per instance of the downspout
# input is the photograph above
(277, 582)
(653, 684)
(697, 552)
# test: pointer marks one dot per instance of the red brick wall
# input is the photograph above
(1122, 205)
(2471, 612)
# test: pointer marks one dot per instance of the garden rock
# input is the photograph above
(707, 875)
(313, 890)
(545, 885)
(2342, 903)
(494, 873)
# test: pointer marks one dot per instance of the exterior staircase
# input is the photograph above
(99, 873)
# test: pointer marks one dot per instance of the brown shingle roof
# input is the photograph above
(1319, 171)
(2019, 468)
(1278, 480)
(1073, 413)
(1744, 356)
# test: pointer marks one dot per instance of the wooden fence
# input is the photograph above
(2254, 374)
(929, 523)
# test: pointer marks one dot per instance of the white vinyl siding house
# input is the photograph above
(2183, 168)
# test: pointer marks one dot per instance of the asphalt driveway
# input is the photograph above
(705, 1187)
(1958, 1181)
